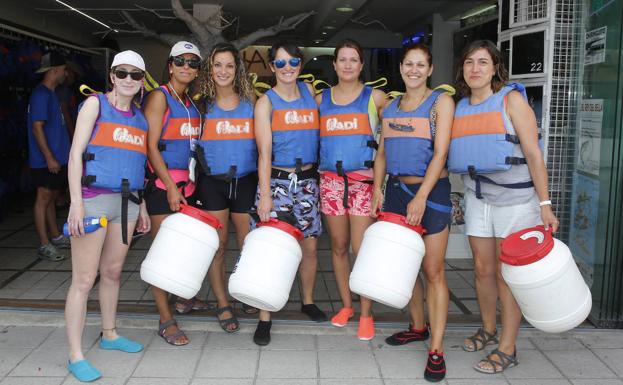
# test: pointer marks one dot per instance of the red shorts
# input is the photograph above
(332, 196)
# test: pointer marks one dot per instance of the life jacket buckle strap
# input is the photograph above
(372, 144)
(162, 147)
(88, 179)
(87, 156)
(512, 160)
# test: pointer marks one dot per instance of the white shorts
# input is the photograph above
(485, 220)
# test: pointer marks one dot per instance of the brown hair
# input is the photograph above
(422, 47)
(291, 48)
(242, 85)
(500, 78)
(348, 43)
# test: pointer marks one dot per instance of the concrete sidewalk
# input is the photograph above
(33, 350)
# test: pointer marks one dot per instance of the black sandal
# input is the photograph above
(228, 321)
(480, 340)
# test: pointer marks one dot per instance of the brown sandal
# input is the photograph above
(480, 340)
(504, 362)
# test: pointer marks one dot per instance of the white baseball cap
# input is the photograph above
(182, 47)
(128, 57)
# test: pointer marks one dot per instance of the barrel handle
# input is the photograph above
(534, 234)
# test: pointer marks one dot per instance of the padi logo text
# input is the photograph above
(226, 127)
(334, 124)
(122, 135)
(293, 117)
(188, 130)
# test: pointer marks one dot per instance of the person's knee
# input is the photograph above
(44, 195)
(433, 271)
(84, 282)
(484, 270)
(111, 273)
(339, 248)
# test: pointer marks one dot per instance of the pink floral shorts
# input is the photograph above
(332, 196)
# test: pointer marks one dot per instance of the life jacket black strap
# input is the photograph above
(515, 139)
(162, 146)
(88, 179)
(340, 171)
(126, 196)
(372, 144)
(87, 156)
(513, 160)
(298, 165)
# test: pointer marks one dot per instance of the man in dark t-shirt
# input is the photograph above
(48, 148)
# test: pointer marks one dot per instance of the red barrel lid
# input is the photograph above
(527, 246)
(400, 220)
(283, 226)
(200, 215)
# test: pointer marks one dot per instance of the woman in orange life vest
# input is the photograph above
(497, 203)
(174, 125)
(111, 134)
(348, 123)
(227, 160)
(413, 150)
(286, 130)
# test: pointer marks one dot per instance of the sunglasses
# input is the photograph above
(180, 61)
(121, 74)
(280, 63)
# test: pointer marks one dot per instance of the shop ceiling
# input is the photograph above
(396, 16)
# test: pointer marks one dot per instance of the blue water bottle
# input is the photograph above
(90, 224)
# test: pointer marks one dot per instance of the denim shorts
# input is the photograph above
(438, 212)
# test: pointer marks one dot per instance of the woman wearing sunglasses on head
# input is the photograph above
(174, 125)
(348, 123)
(500, 197)
(106, 167)
(413, 151)
(227, 158)
(286, 130)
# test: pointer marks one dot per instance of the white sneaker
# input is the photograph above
(49, 252)
(62, 242)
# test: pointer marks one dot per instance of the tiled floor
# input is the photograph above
(26, 281)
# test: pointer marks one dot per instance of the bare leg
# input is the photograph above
(111, 265)
(50, 216)
(485, 271)
(85, 260)
(338, 227)
(308, 268)
(416, 306)
(216, 272)
(437, 295)
(40, 209)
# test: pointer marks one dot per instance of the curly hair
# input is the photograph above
(500, 78)
(242, 84)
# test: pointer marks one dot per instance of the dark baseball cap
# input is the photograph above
(49, 60)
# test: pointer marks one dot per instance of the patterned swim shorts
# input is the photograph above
(332, 196)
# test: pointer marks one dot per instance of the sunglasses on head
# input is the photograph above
(180, 61)
(121, 74)
(280, 63)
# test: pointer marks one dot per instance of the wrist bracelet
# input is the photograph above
(545, 203)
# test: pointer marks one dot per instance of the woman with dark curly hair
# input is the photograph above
(227, 157)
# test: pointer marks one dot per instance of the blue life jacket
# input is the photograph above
(484, 141)
(227, 148)
(179, 127)
(346, 138)
(408, 137)
(295, 129)
(117, 150)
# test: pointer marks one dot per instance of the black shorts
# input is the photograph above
(214, 194)
(156, 202)
(42, 177)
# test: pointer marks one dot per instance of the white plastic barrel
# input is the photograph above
(545, 281)
(182, 252)
(389, 261)
(267, 266)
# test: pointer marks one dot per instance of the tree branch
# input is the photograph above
(140, 28)
(159, 16)
(203, 33)
(283, 25)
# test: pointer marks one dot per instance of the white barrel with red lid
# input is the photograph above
(182, 252)
(269, 260)
(389, 261)
(540, 271)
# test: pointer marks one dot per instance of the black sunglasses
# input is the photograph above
(121, 74)
(180, 61)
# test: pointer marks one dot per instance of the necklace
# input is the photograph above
(417, 105)
(179, 99)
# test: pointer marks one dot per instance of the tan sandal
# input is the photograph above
(480, 340)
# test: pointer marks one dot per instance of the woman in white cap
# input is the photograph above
(106, 166)
(174, 127)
